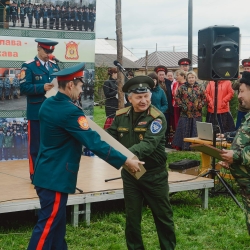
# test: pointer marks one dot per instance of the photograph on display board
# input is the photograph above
(74, 15)
(10, 97)
(13, 139)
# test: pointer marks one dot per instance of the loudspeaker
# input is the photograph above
(218, 53)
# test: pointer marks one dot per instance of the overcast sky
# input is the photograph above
(146, 23)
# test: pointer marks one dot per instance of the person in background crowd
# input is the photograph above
(1, 88)
(145, 130)
(242, 111)
(111, 95)
(14, 13)
(184, 64)
(225, 94)
(1, 143)
(22, 14)
(158, 98)
(130, 74)
(45, 15)
(35, 80)
(8, 146)
(190, 97)
(30, 15)
(170, 75)
(7, 87)
(15, 87)
(59, 158)
(180, 76)
(165, 84)
(237, 158)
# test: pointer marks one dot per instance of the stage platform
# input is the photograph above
(18, 194)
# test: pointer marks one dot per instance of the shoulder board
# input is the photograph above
(52, 61)
(30, 61)
(123, 111)
(75, 105)
(154, 112)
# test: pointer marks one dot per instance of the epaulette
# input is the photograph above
(154, 112)
(75, 105)
(122, 111)
(52, 62)
(30, 61)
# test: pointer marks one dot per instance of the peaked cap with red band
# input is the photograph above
(184, 61)
(161, 68)
(46, 44)
(246, 63)
(71, 73)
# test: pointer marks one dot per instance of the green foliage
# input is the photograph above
(100, 76)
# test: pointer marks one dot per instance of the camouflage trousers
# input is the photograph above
(245, 193)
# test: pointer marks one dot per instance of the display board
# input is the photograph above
(72, 25)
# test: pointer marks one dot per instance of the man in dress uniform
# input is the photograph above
(58, 160)
(237, 158)
(35, 80)
(13, 13)
(22, 14)
(184, 64)
(30, 14)
(141, 128)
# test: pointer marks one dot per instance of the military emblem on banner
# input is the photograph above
(71, 51)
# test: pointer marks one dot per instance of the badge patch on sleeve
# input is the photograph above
(82, 121)
(22, 73)
(155, 127)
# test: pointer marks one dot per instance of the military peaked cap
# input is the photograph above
(71, 73)
(184, 61)
(46, 44)
(246, 62)
(245, 78)
(161, 68)
(138, 85)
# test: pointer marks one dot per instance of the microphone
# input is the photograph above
(53, 58)
(116, 63)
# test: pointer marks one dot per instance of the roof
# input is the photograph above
(168, 59)
(108, 60)
(109, 47)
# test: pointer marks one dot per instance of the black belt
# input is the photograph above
(155, 170)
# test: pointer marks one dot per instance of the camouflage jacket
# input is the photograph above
(240, 168)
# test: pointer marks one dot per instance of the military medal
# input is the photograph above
(121, 135)
(140, 137)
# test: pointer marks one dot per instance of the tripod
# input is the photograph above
(214, 172)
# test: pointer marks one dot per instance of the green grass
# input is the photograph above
(220, 227)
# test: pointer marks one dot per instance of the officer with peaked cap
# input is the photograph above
(141, 128)
(184, 64)
(64, 129)
(35, 79)
(237, 158)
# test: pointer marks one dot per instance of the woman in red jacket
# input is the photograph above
(225, 94)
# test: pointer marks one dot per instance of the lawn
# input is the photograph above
(220, 227)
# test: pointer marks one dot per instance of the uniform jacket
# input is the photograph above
(240, 168)
(191, 99)
(1, 139)
(8, 141)
(159, 99)
(110, 92)
(225, 94)
(145, 138)
(33, 77)
(65, 129)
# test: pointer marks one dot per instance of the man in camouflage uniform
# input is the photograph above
(15, 87)
(141, 128)
(238, 157)
(7, 87)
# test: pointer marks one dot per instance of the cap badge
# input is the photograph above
(140, 85)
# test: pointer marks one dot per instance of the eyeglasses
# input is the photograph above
(48, 51)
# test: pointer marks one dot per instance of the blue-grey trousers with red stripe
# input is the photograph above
(50, 229)
(34, 143)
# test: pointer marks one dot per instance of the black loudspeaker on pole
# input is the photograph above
(218, 53)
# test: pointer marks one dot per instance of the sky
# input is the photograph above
(147, 24)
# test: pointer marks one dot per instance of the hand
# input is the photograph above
(133, 165)
(220, 135)
(227, 156)
(48, 86)
(224, 164)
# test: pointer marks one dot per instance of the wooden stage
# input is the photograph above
(18, 194)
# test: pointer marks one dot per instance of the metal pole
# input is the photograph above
(190, 32)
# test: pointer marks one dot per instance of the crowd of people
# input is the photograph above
(13, 140)
(9, 89)
(181, 99)
(81, 18)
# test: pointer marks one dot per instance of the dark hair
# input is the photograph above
(153, 75)
(130, 73)
(62, 84)
(112, 71)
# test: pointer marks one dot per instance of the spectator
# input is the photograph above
(130, 74)
(190, 97)
(158, 98)
(225, 94)
(1, 143)
(111, 95)
(170, 75)
(8, 146)
(184, 64)
(180, 76)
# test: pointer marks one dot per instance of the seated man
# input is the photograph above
(141, 128)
